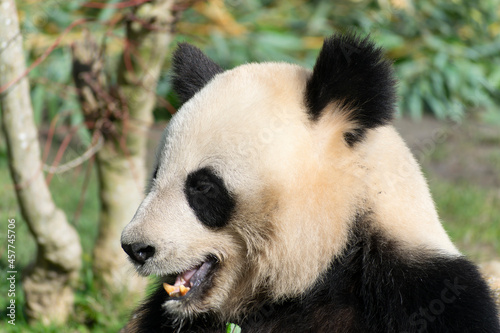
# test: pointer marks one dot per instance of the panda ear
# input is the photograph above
(352, 73)
(192, 70)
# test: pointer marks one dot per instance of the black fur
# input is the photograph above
(192, 70)
(209, 198)
(352, 72)
(155, 172)
(372, 288)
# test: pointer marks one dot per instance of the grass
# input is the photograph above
(470, 214)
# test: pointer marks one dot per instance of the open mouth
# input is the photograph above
(192, 280)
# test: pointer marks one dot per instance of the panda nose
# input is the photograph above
(139, 252)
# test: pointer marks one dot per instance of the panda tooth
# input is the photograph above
(183, 290)
(176, 291)
(171, 290)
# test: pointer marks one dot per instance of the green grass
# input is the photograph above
(471, 216)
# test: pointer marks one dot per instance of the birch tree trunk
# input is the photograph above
(48, 282)
(124, 125)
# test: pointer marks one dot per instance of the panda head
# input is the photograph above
(260, 175)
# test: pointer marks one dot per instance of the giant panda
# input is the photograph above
(283, 200)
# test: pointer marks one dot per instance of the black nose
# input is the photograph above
(139, 252)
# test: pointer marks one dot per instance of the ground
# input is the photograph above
(468, 151)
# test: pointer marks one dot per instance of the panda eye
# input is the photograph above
(202, 187)
(201, 182)
(209, 198)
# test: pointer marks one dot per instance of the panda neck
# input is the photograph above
(377, 286)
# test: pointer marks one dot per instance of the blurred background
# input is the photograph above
(100, 94)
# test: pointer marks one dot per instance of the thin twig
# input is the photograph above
(60, 153)
(120, 5)
(91, 151)
(10, 41)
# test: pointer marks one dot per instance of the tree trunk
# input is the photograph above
(48, 282)
(124, 124)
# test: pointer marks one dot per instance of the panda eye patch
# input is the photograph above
(209, 198)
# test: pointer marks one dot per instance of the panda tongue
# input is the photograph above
(183, 278)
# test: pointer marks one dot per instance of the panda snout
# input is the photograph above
(139, 252)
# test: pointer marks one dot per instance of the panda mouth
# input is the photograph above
(192, 281)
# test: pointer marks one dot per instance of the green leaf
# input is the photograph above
(232, 328)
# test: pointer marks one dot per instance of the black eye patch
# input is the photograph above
(209, 198)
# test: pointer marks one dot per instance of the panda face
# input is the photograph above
(261, 173)
(233, 173)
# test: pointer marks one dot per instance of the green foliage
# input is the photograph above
(445, 52)
(447, 58)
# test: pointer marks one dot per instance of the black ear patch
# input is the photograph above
(209, 198)
(192, 70)
(352, 72)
